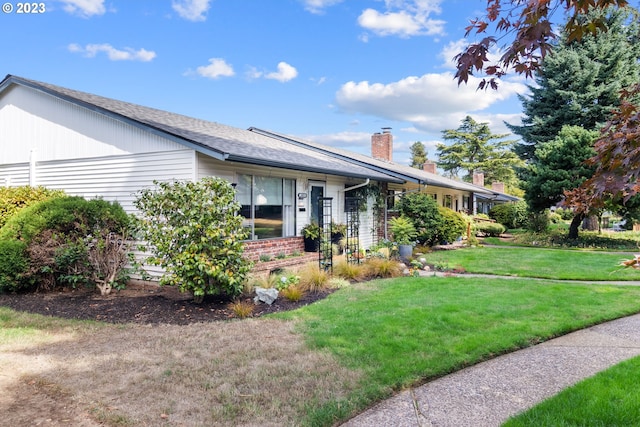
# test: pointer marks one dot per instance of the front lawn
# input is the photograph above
(545, 263)
(609, 398)
(402, 332)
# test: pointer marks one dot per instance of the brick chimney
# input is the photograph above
(497, 186)
(478, 179)
(430, 167)
(382, 145)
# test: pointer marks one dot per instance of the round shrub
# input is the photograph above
(422, 210)
(56, 235)
(511, 215)
(491, 229)
(12, 199)
(450, 227)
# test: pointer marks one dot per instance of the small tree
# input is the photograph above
(418, 154)
(195, 232)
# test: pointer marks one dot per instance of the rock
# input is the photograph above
(267, 295)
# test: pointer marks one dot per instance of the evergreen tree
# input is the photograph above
(580, 81)
(559, 167)
(473, 148)
(418, 154)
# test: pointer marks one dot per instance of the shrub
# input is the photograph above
(423, 211)
(450, 227)
(511, 215)
(12, 199)
(14, 266)
(491, 229)
(55, 233)
(538, 222)
(195, 233)
(403, 231)
(565, 214)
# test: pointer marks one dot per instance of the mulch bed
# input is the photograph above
(144, 304)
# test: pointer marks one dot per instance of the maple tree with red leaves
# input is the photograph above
(528, 22)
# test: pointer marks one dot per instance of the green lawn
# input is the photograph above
(610, 398)
(402, 332)
(537, 262)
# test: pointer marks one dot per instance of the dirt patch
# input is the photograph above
(140, 303)
(172, 363)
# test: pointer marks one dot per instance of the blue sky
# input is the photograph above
(333, 71)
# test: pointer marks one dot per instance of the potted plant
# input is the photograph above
(311, 234)
(404, 234)
(338, 235)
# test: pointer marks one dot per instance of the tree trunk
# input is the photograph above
(575, 224)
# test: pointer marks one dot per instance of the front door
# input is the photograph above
(317, 192)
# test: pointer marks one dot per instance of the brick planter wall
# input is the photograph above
(273, 247)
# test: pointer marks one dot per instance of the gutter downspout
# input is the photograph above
(344, 190)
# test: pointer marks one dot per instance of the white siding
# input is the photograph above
(60, 130)
(15, 175)
(116, 178)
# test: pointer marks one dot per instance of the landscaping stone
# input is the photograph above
(266, 295)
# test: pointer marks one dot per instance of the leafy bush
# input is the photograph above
(450, 227)
(422, 210)
(491, 229)
(57, 234)
(565, 214)
(14, 266)
(12, 199)
(538, 222)
(511, 215)
(195, 232)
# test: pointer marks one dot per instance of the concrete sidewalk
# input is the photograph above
(489, 393)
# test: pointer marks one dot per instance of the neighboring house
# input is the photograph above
(457, 195)
(92, 146)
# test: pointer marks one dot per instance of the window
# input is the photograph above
(267, 206)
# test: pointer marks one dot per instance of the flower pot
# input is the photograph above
(311, 245)
(405, 252)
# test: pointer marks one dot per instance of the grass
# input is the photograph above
(323, 363)
(537, 262)
(609, 398)
(439, 325)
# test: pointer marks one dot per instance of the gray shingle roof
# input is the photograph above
(214, 139)
(402, 171)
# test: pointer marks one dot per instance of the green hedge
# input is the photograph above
(46, 245)
(491, 229)
(12, 199)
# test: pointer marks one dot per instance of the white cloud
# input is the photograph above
(191, 10)
(285, 73)
(217, 67)
(127, 54)
(403, 18)
(431, 103)
(84, 8)
(318, 6)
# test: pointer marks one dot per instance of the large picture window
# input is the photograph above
(267, 205)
